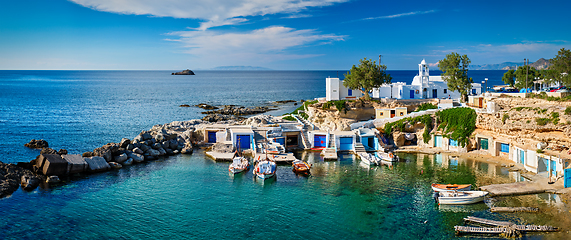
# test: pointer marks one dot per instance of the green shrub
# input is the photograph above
(528, 121)
(568, 110)
(425, 106)
(539, 151)
(542, 121)
(505, 117)
(457, 123)
(289, 118)
(339, 104)
(400, 125)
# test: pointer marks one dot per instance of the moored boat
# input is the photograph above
(368, 159)
(301, 166)
(239, 164)
(461, 197)
(450, 187)
(387, 157)
(265, 169)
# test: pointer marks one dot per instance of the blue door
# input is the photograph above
(553, 168)
(319, 141)
(280, 141)
(243, 141)
(567, 178)
(211, 137)
(345, 143)
(434, 93)
(411, 94)
(522, 157)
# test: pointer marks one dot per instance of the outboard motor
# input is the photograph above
(435, 195)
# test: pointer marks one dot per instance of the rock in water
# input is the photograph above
(121, 158)
(29, 182)
(37, 143)
(53, 179)
(128, 162)
(115, 165)
(184, 72)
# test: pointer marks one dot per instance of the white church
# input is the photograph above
(423, 86)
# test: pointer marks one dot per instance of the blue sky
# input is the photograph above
(277, 34)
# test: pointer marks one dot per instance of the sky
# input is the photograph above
(274, 34)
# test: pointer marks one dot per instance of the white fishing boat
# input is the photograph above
(265, 169)
(387, 157)
(239, 164)
(461, 197)
(367, 159)
(450, 187)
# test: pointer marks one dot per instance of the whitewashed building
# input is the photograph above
(423, 86)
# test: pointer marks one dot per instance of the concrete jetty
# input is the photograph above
(278, 158)
(537, 184)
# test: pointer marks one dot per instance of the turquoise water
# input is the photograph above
(190, 196)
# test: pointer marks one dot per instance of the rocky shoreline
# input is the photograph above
(178, 137)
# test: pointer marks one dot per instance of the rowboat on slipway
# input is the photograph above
(450, 187)
(460, 197)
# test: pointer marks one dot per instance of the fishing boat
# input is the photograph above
(450, 187)
(387, 157)
(301, 166)
(265, 169)
(239, 164)
(460, 197)
(368, 159)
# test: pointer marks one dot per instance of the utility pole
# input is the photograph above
(526, 71)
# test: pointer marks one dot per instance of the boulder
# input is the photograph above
(75, 163)
(115, 165)
(97, 164)
(121, 158)
(165, 144)
(29, 182)
(153, 152)
(87, 154)
(106, 151)
(159, 137)
(173, 144)
(187, 149)
(53, 179)
(62, 152)
(48, 151)
(137, 157)
(37, 143)
(124, 142)
(138, 150)
(162, 152)
(51, 164)
(130, 147)
(157, 146)
(128, 162)
(146, 136)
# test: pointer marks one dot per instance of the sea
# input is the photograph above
(193, 197)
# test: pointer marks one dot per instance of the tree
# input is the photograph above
(455, 72)
(367, 76)
(562, 65)
(509, 77)
(524, 76)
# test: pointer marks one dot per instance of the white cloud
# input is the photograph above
(399, 15)
(213, 12)
(257, 47)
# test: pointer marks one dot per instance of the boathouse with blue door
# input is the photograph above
(368, 137)
(319, 139)
(438, 141)
(345, 140)
(215, 133)
(242, 138)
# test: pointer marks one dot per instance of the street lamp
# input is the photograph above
(483, 88)
(486, 79)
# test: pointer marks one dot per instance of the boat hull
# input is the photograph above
(461, 197)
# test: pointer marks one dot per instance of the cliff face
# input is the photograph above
(518, 122)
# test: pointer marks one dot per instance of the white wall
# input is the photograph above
(332, 89)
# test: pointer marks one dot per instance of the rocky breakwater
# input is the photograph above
(11, 176)
(232, 112)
